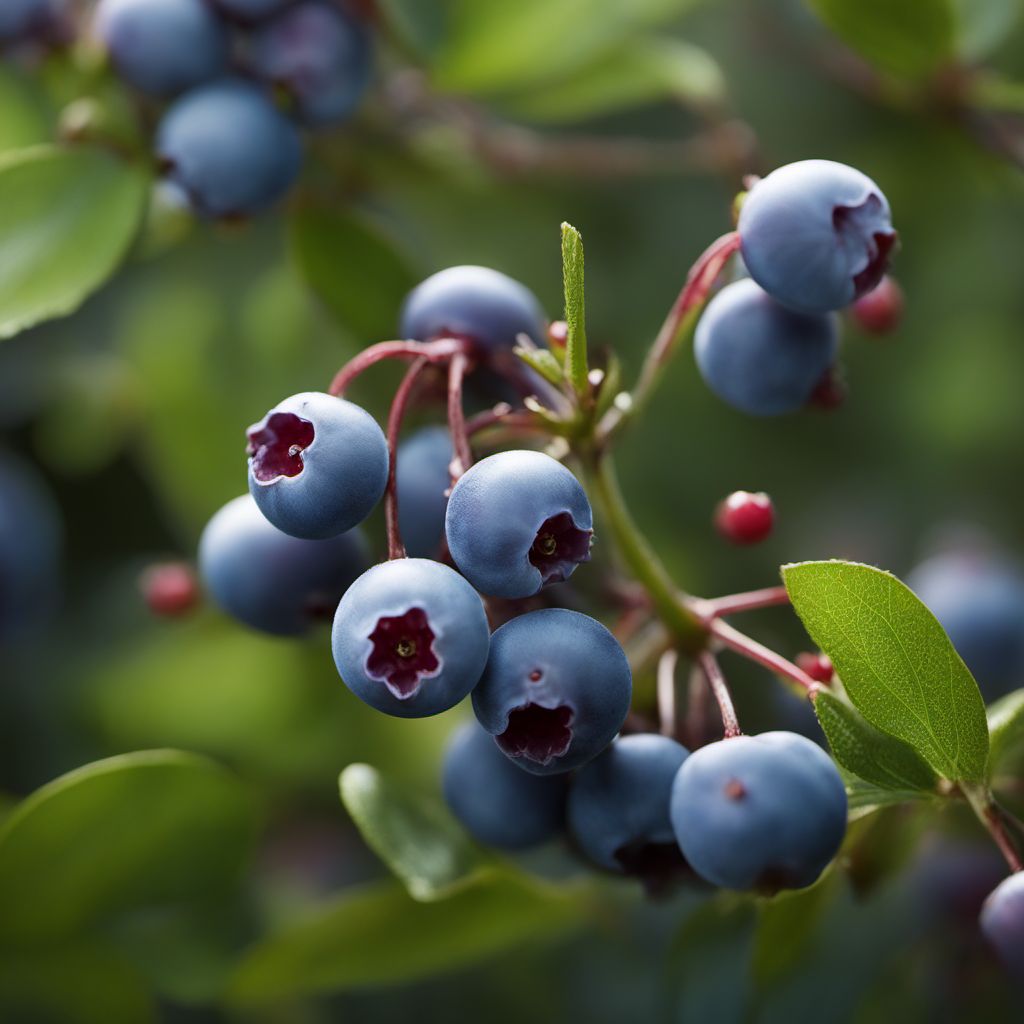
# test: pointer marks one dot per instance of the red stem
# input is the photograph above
(749, 601)
(997, 829)
(399, 404)
(435, 351)
(713, 673)
(456, 418)
(502, 415)
(750, 648)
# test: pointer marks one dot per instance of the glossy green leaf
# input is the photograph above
(575, 308)
(869, 753)
(909, 38)
(380, 936)
(897, 664)
(642, 70)
(1006, 727)
(864, 798)
(142, 829)
(26, 120)
(352, 267)
(67, 219)
(414, 835)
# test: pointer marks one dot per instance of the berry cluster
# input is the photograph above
(224, 142)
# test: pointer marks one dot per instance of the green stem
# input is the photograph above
(669, 602)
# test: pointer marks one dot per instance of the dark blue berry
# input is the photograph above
(422, 480)
(556, 690)
(410, 638)
(816, 235)
(763, 812)
(497, 803)
(760, 357)
(320, 56)
(228, 149)
(248, 11)
(1002, 922)
(979, 599)
(317, 465)
(270, 581)
(517, 521)
(619, 803)
(163, 46)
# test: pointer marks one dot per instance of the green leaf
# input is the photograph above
(864, 798)
(867, 752)
(415, 836)
(419, 27)
(67, 219)
(1005, 727)
(575, 313)
(352, 267)
(788, 923)
(896, 663)
(379, 936)
(639, 71)
(909, 38)
(26, 120)
(137, 830)
(981, 25)
(544, 362)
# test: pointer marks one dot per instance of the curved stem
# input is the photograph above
(668, 602)
(435, 351)
(456, 417)
(503, 416)
(696, 709)
(667, 692)
(399, 404)
(716, 680)
(751, 649)
(990, 815)
(749, 601)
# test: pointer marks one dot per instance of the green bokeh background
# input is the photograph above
(134, 408)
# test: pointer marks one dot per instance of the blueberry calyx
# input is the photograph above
(403, 652)
(560, 545)
(864, 232)
(537, 733)
(276, 446)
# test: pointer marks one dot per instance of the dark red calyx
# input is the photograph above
(276, 447)
(403, 652)
(745, 517)
(536, 733)
(817, 666)
(560, 545)
(867, 226)
(830, 392)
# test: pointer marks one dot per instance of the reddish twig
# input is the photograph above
(434, 351)
(399, 404)
(463, 452)
(503, 415)
(750, 648)
(997, 829)
(749, 601)
(667, 692)
(713, 673)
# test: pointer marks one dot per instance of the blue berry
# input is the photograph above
(980, 602)
(270, 581)
(618, 804)
(517, 521)
(163, 46)
(498, 804)
(248, 11)
(229, 149)
(760, 357)
(317, 465)
(481, 305)
(816, 235)
(30, 547)
(23, 20)
(1002, 922)
(556, 690)
(763, 812)
(320, 56)
(410, 638)
(422, 480)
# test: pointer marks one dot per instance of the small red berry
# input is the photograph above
(558, 333)
(745, 517)
(169, 588)
(817, 666)
(881, 310)
(830, 392)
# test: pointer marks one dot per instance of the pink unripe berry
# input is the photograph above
(881, 310)
(745, 517)
(817, 666)
(169, 588)
(558, 333)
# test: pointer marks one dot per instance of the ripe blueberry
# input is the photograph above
(816, 235)
(745, 517)
(271, 581)
(250, 10)
(498, 804)
(760, 357)
(556, 690)
(229, 149)
(979, 600)
(317, 465)
(880, 310)
(320, 56)
(410, 638)
(422, 479)
(517, 521)
(619, 803)
(162, 46)
(763, 812)
(1002, 922)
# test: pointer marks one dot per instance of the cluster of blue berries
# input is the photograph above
(34, 22)
(815, 236)
(224, 142)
